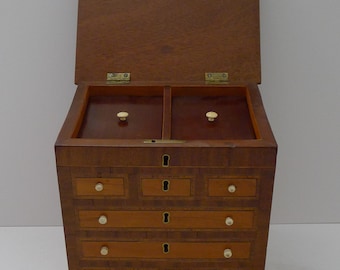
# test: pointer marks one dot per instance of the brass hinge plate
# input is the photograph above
(216, 77)
(118, 76)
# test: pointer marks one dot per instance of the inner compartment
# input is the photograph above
(189, 108)
(143, 104)
(159, 113)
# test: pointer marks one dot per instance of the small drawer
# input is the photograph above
(227, 220)
(232, 187)
(166, 187)
(166, 250)
(99, 187)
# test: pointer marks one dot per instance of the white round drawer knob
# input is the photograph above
(211, 116)
(104, 251)
(228, 253)
(99, 187)
(102, 220)
(232, 189)
(229, 221)
(122, 116)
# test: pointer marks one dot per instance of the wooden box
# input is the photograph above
(170, 186)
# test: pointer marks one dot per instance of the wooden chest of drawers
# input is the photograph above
(167, 186)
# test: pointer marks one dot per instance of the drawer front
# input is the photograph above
(99, 187)
(166, 187)
(232, 187)
(166, 250)
(167, 219)
(143, 156)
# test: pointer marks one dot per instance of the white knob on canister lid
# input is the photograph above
(99, 187)
(102, 220)
(211, 116)
(228, 253)
(104, 251)
(122, 116)
(232, 189)
(229, 221)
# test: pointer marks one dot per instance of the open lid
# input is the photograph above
(168, 40)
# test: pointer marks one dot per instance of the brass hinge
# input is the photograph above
(216, 77)
(118, 77)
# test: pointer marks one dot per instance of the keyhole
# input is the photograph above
(166, 217)
(166, 185)
(166, 248)
(165, 160)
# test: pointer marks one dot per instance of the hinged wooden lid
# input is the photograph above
(168, 40)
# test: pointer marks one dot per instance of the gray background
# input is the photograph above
(300, 42)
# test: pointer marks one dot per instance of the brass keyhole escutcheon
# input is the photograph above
(165, 160)
(166, 248)
(166, 217)
(166, 185)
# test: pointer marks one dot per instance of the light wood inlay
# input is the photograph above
(241, 187)
(177, 219)
(110, 187)
(176, 187)
(154, 250)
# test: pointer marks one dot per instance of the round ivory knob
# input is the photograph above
(104, 251)
(99, 187)
(211, 116)
(229, 221)
(232, 189)
(228, 253)
(102, 220)
(122, 116)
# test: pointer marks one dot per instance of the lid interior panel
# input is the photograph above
(168, 40)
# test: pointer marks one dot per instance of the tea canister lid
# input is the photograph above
(168, 40)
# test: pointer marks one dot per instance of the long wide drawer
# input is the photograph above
(166, 250)
(167, 219)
